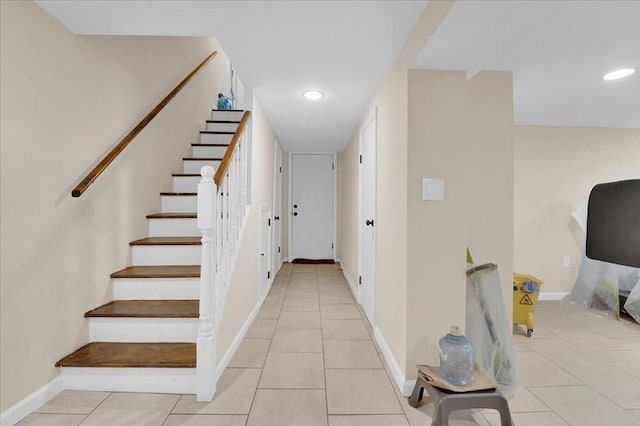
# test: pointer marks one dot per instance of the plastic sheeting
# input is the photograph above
(488, 328)
(600, 284)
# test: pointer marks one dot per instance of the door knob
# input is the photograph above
(295, 213)
(295, 206)
(369, 222)
(276, 218)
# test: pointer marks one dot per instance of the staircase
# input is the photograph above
(144, 340)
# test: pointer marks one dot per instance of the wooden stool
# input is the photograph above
(447, 401)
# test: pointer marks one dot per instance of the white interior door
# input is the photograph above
(368, 223)
(264, 254)
(312, 211)
(277, 210)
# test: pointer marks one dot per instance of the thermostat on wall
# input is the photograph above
(432, 189)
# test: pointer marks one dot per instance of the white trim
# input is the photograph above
(224, 362)
(31, 402)
(150, 380)
(355, 290)
(558, 295)
(405, 386)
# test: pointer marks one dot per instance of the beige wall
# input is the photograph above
(391, 191)
(555, 169)
(65, 100)
(243, 289)
(461, 131)
(284, 209)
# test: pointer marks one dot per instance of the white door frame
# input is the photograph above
(264, 281)
(290, 206)
(277, 210)
(373, 118)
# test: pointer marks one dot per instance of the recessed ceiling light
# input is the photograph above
(313, 95)
(618, 74)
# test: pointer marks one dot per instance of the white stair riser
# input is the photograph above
(156, 288)
(165, 255)
(194, 166)
(226, 115)
(173, 228)
(143, 330)
(208, 151)
(152, 380)
(186, 183)
(179, 203)
(222, 127)
(215, 137)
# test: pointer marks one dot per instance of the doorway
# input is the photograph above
(367, 227)
(264, 252)
(277, 209)
(312, 206)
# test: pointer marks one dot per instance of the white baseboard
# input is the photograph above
(127, 379)
(352, 286)
(405, 386)
(224, 362)
(546, 295)
(22, 409)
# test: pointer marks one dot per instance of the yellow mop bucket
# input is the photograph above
(525, 296)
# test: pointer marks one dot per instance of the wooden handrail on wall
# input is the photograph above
(108, 159)
(226, 160)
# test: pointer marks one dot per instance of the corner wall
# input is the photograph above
(65, 101)
(555, 170)
(461, 131)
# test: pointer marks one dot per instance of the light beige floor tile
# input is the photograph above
(269, 311)
(351, 354)
(299, 320)
(234, 394)
(341, 290)
(336, 299)
(626, 360)
(302, 293)
(132, 409)
(369, 420)
(528, 419)
(251, 353)
(275, 298)
(73, 402)
(635, 413)
(581, 405)
(284, 407)
(536, 370)
(339, 312)
(262, 329)
(344, 330)
(296, 340)
(360, 392)
(301, 305)
(303, 285)
(525, 401)
(613, 383)
(299, 276)
(204, 420)
(52, 420)
(293, 371)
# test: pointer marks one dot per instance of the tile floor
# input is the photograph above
(309, 359)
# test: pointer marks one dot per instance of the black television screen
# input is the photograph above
(613, 223)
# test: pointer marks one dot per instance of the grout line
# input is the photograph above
(96, 407)
(172, 408)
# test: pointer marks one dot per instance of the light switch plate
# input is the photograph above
(432, 189)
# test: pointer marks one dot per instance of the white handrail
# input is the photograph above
(221, 212)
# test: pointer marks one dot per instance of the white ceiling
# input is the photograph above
(558, 51)
(280, 48)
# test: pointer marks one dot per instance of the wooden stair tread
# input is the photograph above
(146, 309)
(167, 241)
(164, 271)
(172, 216)
(179, 194)
(108, 354)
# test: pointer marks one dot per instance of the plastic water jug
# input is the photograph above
(456, 358)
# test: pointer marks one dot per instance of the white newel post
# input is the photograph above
(206, 365)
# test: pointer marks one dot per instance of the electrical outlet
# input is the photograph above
(566, 262)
